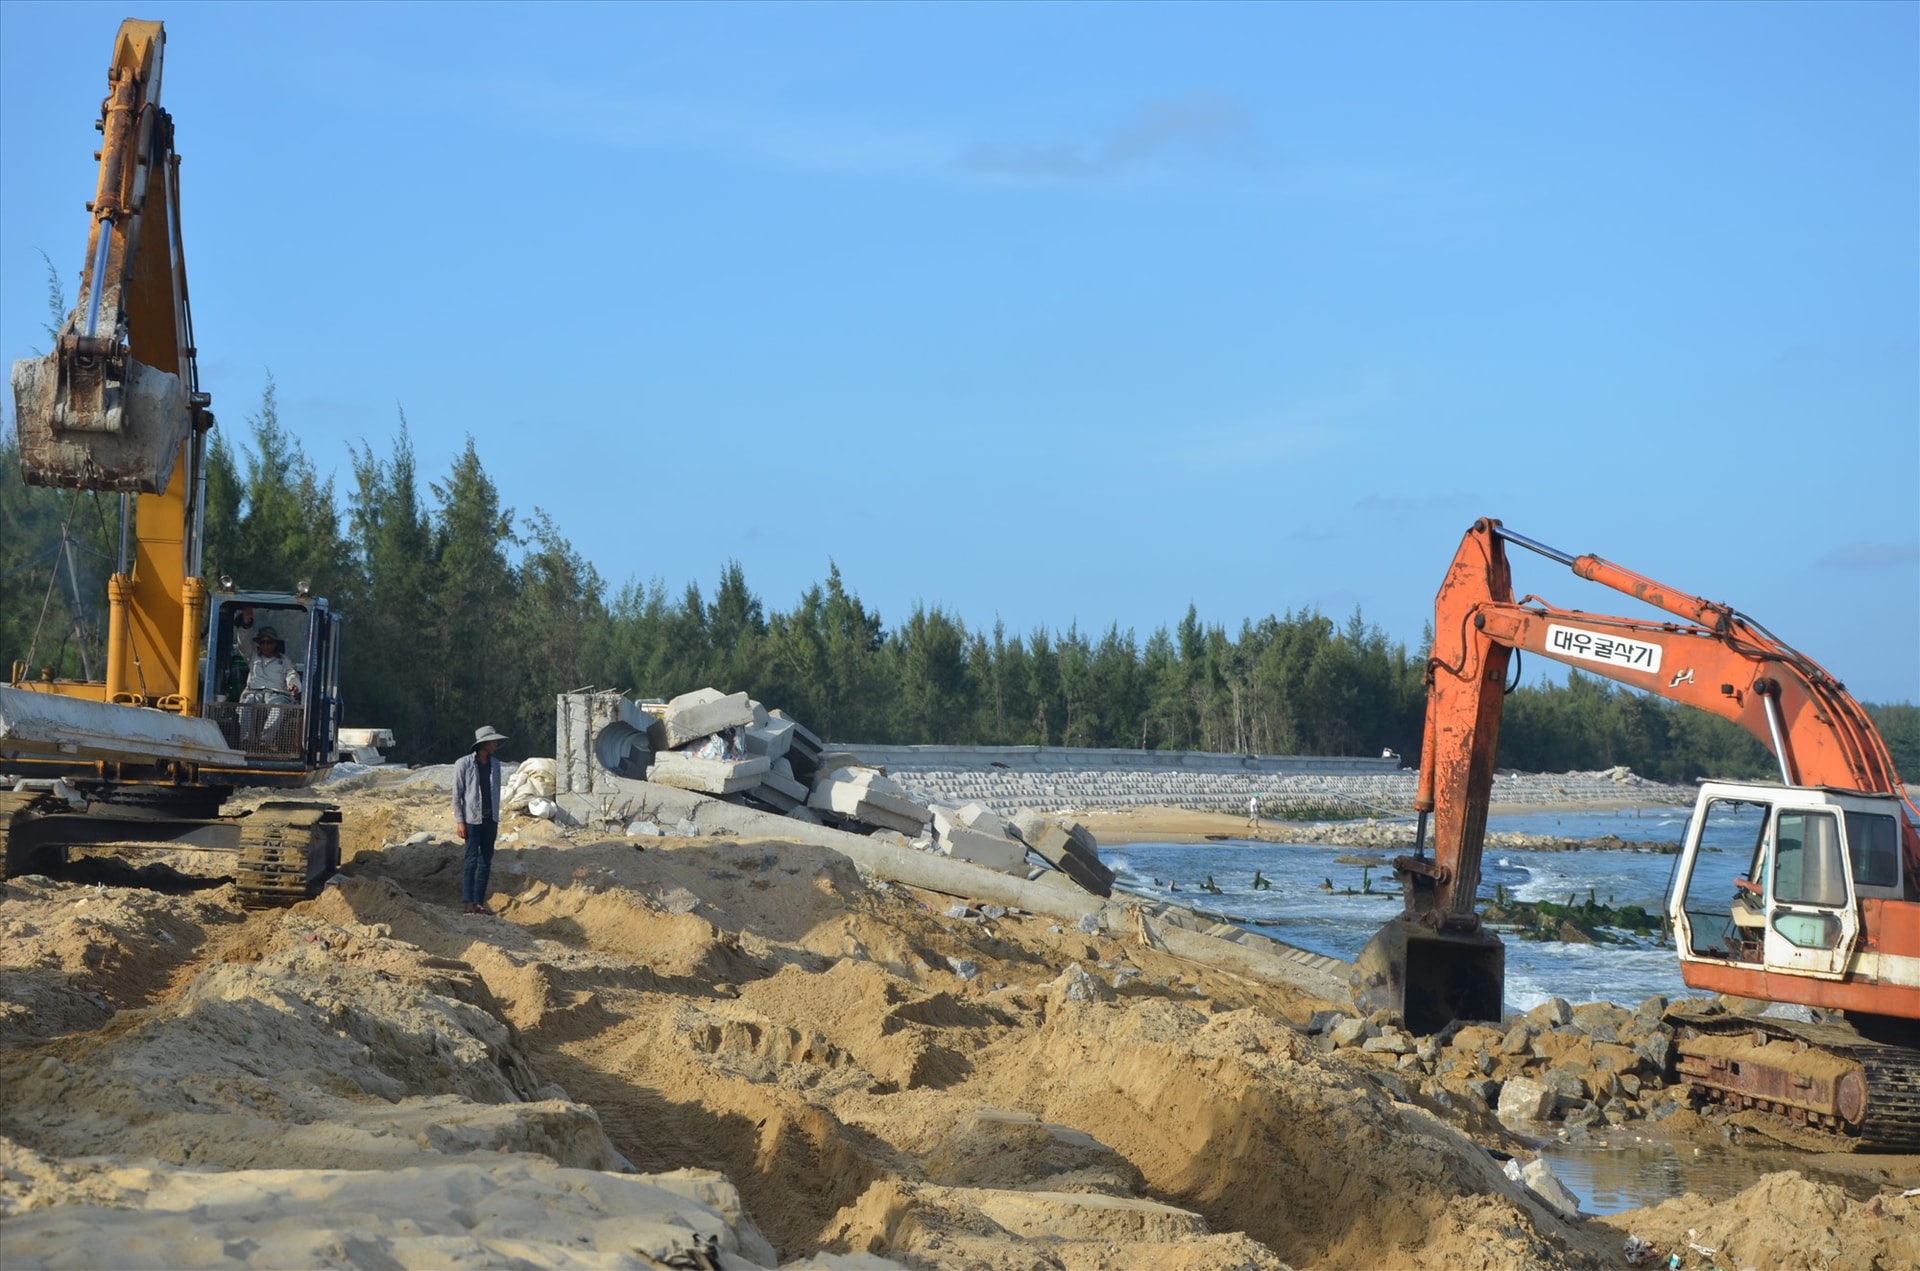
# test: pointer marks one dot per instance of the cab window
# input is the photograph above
(1807, 869)
(1873, 843)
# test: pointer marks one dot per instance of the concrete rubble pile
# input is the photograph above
(727, 746)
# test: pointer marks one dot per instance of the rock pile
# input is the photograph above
(1557, 1067)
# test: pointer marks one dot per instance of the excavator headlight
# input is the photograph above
(226, 582)
(301, 589)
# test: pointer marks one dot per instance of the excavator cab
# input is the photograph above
(1812, 861)
(272, 679)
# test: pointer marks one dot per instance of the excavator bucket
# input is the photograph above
(1430, 978)
(92, 417)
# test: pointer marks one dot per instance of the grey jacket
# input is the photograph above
(466, 789)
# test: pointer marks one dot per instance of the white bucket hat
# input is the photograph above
(483, 735)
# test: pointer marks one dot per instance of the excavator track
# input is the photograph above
(287, 852)
(1818, 1086)
(18, 810)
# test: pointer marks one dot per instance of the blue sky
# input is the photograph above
(1071, 313)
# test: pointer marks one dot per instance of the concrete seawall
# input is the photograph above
(1293, 786)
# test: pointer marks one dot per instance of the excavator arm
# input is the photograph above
(1714, 658)
(117, 407)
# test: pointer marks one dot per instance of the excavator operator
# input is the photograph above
(271, 679)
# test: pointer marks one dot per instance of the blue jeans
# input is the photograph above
(473, 881)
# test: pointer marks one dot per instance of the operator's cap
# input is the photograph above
(265, 634)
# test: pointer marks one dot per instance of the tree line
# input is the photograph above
(461, 611)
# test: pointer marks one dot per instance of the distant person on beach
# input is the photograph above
(1253, 812)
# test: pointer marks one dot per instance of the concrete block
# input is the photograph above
(847, 790)
(978, 816)
(803, 737)
(829, 762)
(709, 776)
(989, 850)
(703, 713)
(796, 792)
(1068, 847)
(1522, 1100)
(1542, 1182)
(772, 797)
(771, 739)
(887, 818)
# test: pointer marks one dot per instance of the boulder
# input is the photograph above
(1524, 1100)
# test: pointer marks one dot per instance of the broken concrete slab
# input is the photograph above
(832, 761)
(803, 736)
(702, 713)
(1068, 846)
(769, 797)
(867, 795)
(709, 776)
(794, 791)
(978, 816)
(990, 850)
(771, 739)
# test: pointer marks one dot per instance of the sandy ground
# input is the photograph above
(657, 1044)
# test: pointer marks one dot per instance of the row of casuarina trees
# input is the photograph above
(461, 610)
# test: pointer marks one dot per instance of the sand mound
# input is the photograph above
(807, 1065)
(1784, 1220)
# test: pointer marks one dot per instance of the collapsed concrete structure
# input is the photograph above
(625, 763)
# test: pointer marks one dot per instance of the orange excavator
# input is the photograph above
(1805, 892)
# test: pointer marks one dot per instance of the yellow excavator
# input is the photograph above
(204, 691)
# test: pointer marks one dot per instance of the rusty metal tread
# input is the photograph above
(1892, 1116)
(278, 843)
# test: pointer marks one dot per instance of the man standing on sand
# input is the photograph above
(1253, 812)
(476, 814)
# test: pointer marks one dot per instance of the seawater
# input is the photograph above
(1319, 904)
